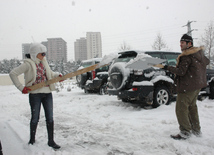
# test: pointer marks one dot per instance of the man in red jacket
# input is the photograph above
(190, 77)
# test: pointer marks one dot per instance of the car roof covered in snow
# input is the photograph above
(135, 52)
(131, 52)
(155, 51)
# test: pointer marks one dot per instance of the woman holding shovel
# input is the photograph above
(37, 70)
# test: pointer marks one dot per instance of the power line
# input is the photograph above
(189, 30)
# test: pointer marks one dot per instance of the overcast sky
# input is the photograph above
(136, 22)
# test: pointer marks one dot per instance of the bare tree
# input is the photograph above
(124, 47)
(208, 40)
(159, 43)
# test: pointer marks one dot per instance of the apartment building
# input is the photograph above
(94, 45)
(80, 49)
(56, 49)
(89, 47)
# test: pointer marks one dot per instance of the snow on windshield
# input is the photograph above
(139, 56)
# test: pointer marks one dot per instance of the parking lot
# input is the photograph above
(87, 124)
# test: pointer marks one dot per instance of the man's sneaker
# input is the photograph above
(178, 137)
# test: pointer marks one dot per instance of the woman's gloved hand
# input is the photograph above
(60, 75)
(26, 90)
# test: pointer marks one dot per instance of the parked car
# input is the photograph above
(152, 86)
(95, 80)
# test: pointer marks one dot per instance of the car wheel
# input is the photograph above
(103, 90)
(161, 96)
(86, 91)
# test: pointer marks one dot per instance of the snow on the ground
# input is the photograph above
(92, 124)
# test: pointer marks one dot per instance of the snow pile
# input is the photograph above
(81, 67)
(91, 124)
(107, 59)
(140, 56)
(164, 78)
(143, 83)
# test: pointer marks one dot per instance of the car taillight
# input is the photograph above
(134, 89)
(93, 75)
(138, 72)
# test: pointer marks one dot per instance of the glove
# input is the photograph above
(161, 66)
(25, 90)
(165, 67)
(60, 75)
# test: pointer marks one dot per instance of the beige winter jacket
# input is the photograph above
(29, 70)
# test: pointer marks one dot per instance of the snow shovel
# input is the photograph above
(105, 62)
(144, 63)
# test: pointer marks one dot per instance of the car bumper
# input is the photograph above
(94, 85)
(142, 93)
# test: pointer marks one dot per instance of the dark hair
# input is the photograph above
(27, 56)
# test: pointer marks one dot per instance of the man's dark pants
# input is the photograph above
(187, 112)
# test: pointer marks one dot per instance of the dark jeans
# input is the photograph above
(36, 100)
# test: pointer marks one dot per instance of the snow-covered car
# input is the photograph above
(95, 80)
(152, 86)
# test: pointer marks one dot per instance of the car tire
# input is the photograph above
(86, 91)
(161, 96)
(116, 79)
(103, 90)
(125, 100)
(118, 74)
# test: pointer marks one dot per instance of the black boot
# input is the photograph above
(1, 153)
(50, 129)
(32, 133)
